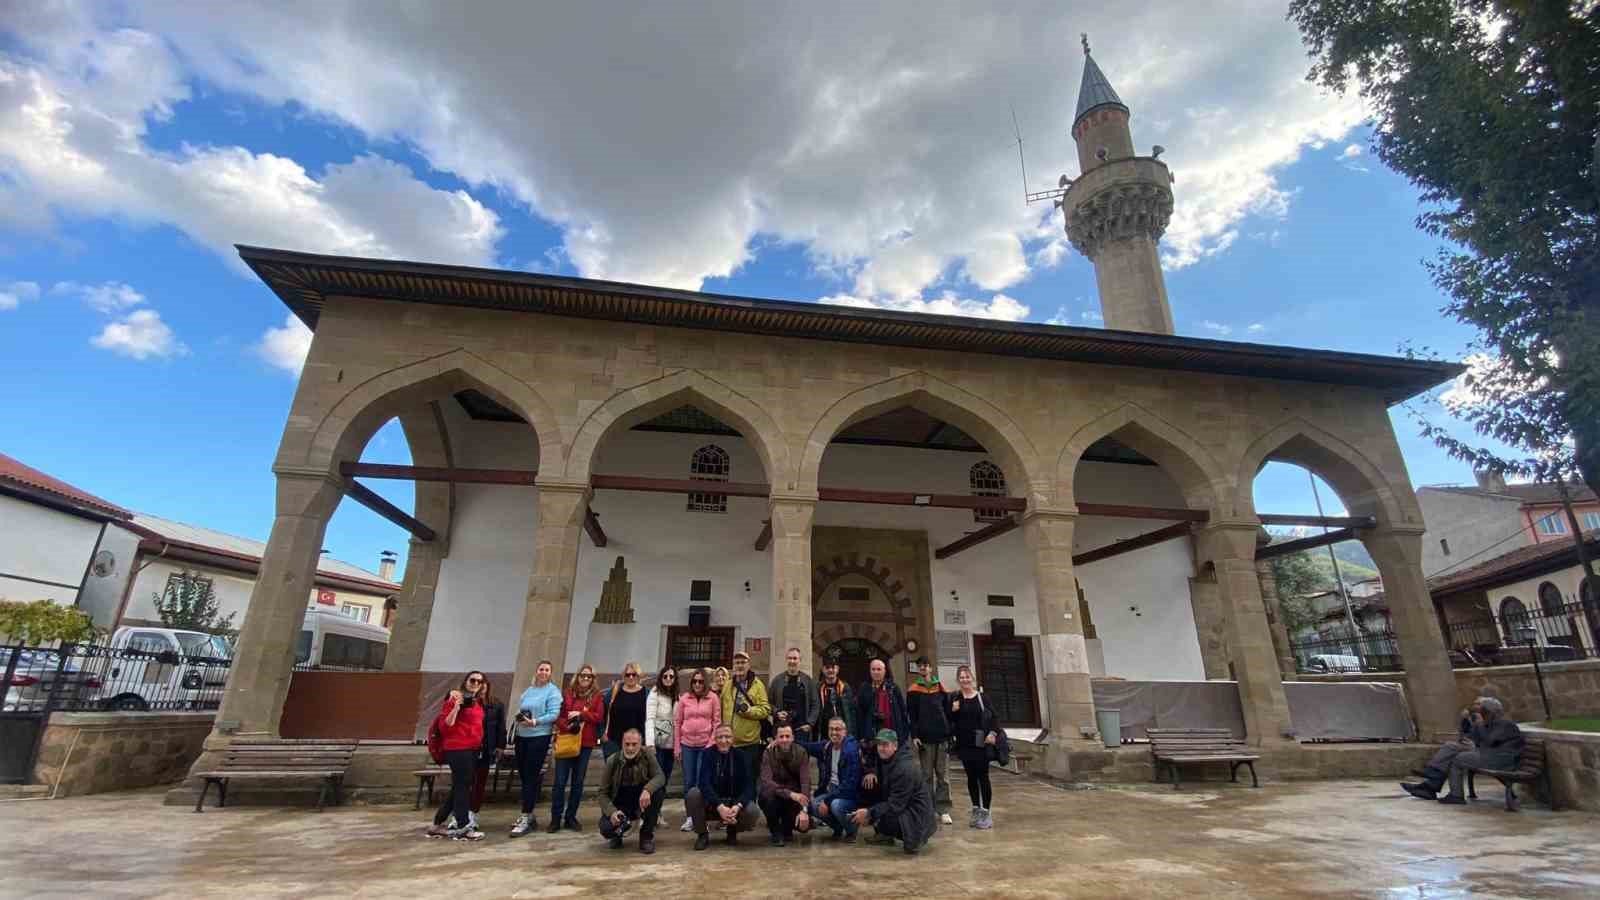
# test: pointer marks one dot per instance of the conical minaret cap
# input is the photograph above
(1095, 91)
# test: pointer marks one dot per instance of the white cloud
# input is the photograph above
(829, 125)
(107, 298)
(1091, 317)
(1352, 151)
(14, 294)
(1217, 328)
(1063, 316)
(140, 335)
(999, 306)
(286, 347)
(1257, 328)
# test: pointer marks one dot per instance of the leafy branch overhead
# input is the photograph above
(1492, 109)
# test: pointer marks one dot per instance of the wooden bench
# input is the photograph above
(1530, 769)
(1175, 747)
(425, 780)
(272, 760)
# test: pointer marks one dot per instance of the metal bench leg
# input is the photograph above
(1174, 768)
(338, 790)
(204, 789)
(322, 797)
(421, 780)
(1472, 789)
(1233, 772)
(222, 793)
(1254, 781)
(1512, 804)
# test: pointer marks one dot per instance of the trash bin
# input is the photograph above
(1109, 721)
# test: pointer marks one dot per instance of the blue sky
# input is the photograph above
(146, 366)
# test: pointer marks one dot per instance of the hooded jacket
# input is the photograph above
(928, 708)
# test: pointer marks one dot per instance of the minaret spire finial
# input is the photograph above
(1085, 35)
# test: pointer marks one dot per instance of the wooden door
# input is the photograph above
(1005, 671)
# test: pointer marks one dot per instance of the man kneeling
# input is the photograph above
(839, 780)
(906, 811)
(1488, 741)
(785, 786)
(631, 791)
(725, 792)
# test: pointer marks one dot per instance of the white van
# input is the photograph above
(1333, 662)
(161, 668)
(329, 640)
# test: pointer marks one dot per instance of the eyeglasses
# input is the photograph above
(474, 681)
(586, 675)
(697, 681)
(668, 676)
(630, 674)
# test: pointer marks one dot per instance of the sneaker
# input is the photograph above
(555, 826)
(616, 842)
(466, 834)
(647, 845)
(436, 831)
(945, 818)
(472, 819)
(1453, 800)
(523, 825)
(688, 826)
(1419, 791)
(702, 841)
(776, 840)
(985, 821)
(972, 818)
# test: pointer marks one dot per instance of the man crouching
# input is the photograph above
(906, 810)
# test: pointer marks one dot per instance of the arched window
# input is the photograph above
(1550, 599)
(1512, 616)
(709, 463)
(987, 481)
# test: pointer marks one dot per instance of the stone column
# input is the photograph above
(548, 615)
(1209, 625)
(1230, 549)
(1430, 681)
(263, 662)
(1065, 655)
(414, 605)
(791, 576)
(1280, 633)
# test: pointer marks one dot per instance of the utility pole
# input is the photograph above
(1590, 612)
(1338, 579)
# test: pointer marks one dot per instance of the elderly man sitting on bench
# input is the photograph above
(1488, 741)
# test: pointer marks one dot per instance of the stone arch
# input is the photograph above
(347, 427)
(852, 564)
(999, 434)
(1360, 483)
(684, 387)
(1201, 479)
(839, 631)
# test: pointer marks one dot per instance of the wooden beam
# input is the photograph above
(591, 524)
(1324, 521)
(432, 473)
(765, 537)
(1148, 539)
(1307, 543)
(677, 486)
(993, 530)
(912, 498)
(1113, 511)
(364, 495)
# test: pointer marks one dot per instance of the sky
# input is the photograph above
(859, 154)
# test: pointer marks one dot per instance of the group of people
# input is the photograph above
(747, 750)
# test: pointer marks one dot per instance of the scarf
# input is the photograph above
(929, 683)
(882, 701)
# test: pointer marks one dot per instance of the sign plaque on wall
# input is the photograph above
(952, 647)
(955, 617)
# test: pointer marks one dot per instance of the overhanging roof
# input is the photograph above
(303, 281)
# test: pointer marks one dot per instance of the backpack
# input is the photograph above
(1000, 750)
(436, 741)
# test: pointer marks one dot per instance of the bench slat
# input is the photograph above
(276, 773)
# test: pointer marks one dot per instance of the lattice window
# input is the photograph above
(988, 481)
(688, 648)
(710, 463)
(1513, 613)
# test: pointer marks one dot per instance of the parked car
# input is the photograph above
(162, 668)
(34, 678)
(1333, 662)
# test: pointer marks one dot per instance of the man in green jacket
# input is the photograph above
(745, 707)
(632, 790)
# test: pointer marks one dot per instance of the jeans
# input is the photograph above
(458, 801)
(664, 760)
(531, 753)
(691, 769)
(934, 757)
(835, 813)
(569, 770)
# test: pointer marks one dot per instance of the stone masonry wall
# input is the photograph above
(89, 753)
(1573, 761)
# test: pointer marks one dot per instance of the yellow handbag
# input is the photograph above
(568, 745)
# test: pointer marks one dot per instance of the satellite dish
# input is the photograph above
(103, 564)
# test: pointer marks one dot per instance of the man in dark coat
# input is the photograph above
(724, 793)
(1488, 741)
(906, 810)
(879, 705)
(834, 698)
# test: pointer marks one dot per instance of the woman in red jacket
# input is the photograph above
(581, 712)
(460, 723)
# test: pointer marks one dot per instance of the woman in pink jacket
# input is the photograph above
(694, 721)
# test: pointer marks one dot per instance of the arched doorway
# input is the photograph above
(854, 655)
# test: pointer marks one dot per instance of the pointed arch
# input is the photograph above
(1199, 476)
(1360, 483)
(684, 387)
(992, 428)
(346, 428)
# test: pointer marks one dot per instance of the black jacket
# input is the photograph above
(725, 779)
(866, 706)
(928, 709)
(906, 798)
(494, 732)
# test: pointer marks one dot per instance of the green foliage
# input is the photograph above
(1492, 108)
(1298, 576)
(44, 622)
(190, 602)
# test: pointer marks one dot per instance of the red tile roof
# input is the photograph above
(27, 480)
(1523, 562)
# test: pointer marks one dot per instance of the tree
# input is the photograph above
(1298, 576)
(1490, 107)
(190, 602)
(44, 622)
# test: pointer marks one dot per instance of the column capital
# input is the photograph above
(307, 491)
(1048, 513)
(794, 497)
(561, 485)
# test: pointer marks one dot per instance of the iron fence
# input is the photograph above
(1555, 634)
(95, 676)
(1341, 650)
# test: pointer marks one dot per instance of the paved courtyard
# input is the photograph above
(1348, 838)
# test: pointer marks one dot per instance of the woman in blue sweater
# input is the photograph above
(538, 709)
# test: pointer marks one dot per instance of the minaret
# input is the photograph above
(1118, 208)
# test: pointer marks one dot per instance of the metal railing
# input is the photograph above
(94, 676)
(1340, 650)
(1570, 632)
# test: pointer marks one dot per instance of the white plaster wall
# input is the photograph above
(1569, 581)
(102, 595)
(1478, 528)
(232, 590)
(483, 583)
(37, 542)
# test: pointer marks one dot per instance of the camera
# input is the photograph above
(626, 826)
